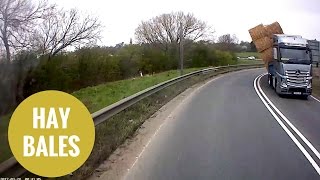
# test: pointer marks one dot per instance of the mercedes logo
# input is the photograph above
(297, 72)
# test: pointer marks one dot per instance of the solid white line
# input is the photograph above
(293, 138)
(305, 140)
(315, 99)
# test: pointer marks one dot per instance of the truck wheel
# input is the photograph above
(276, 88)
(270, 81)
(305, 97)
(275, 85)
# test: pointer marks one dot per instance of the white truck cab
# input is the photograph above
(290, 70)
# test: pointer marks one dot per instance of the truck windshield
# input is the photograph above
(297, 56)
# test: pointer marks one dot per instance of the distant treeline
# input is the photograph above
(28, 73)
(91, 66)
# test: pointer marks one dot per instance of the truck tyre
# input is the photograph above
(275, 85)
(305, 97)
(270, 81)
(276, 88)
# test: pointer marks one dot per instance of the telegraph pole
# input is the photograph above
(181, 49)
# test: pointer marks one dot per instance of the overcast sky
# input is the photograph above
(121, 17)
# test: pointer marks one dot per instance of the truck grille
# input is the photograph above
(297, 78)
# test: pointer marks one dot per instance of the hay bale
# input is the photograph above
(267, 55)
(258, 32)
(263, 43)
(273, 28)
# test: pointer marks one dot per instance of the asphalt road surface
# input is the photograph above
(226, 131)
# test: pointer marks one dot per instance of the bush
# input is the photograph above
(224, 58)
(203, 55)
(49, 75)
(12, 79)
(86, 67)
(154, 61)
(91, 66)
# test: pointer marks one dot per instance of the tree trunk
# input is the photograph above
(8, 55)
(6, 45)
(20, 80)
(49, 57)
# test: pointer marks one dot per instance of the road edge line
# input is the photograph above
(289, 133)
(304, 139)
(315, 98)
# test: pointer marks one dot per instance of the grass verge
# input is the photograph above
(98, 97)
(247, 54)
(5, 151)
(316, 82)
(246, 61)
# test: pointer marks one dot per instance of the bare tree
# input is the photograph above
(227, 42)
(163, 30)
(17, 20)
(65, 29)
(228, 39)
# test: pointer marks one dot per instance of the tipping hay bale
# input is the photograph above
(258, 32)
(274, 28)
(262, 37)
(263, 43)
(267, 55)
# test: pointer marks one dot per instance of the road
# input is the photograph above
(225, 131)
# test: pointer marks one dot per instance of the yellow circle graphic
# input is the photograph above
(51, 133)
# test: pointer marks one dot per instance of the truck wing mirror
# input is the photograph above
(275, 54)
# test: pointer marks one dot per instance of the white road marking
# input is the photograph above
(171, 115)
(168, 117)
(315, 99)
(144, 147)
(305, 140)
(293, 138)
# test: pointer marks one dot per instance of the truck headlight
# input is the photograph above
(309, 84)
(284, 85)
(284, 82)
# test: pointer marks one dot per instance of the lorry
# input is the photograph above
(290, 69)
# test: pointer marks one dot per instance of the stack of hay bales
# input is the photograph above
(262, 37)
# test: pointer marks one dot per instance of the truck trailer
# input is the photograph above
(290, 69)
